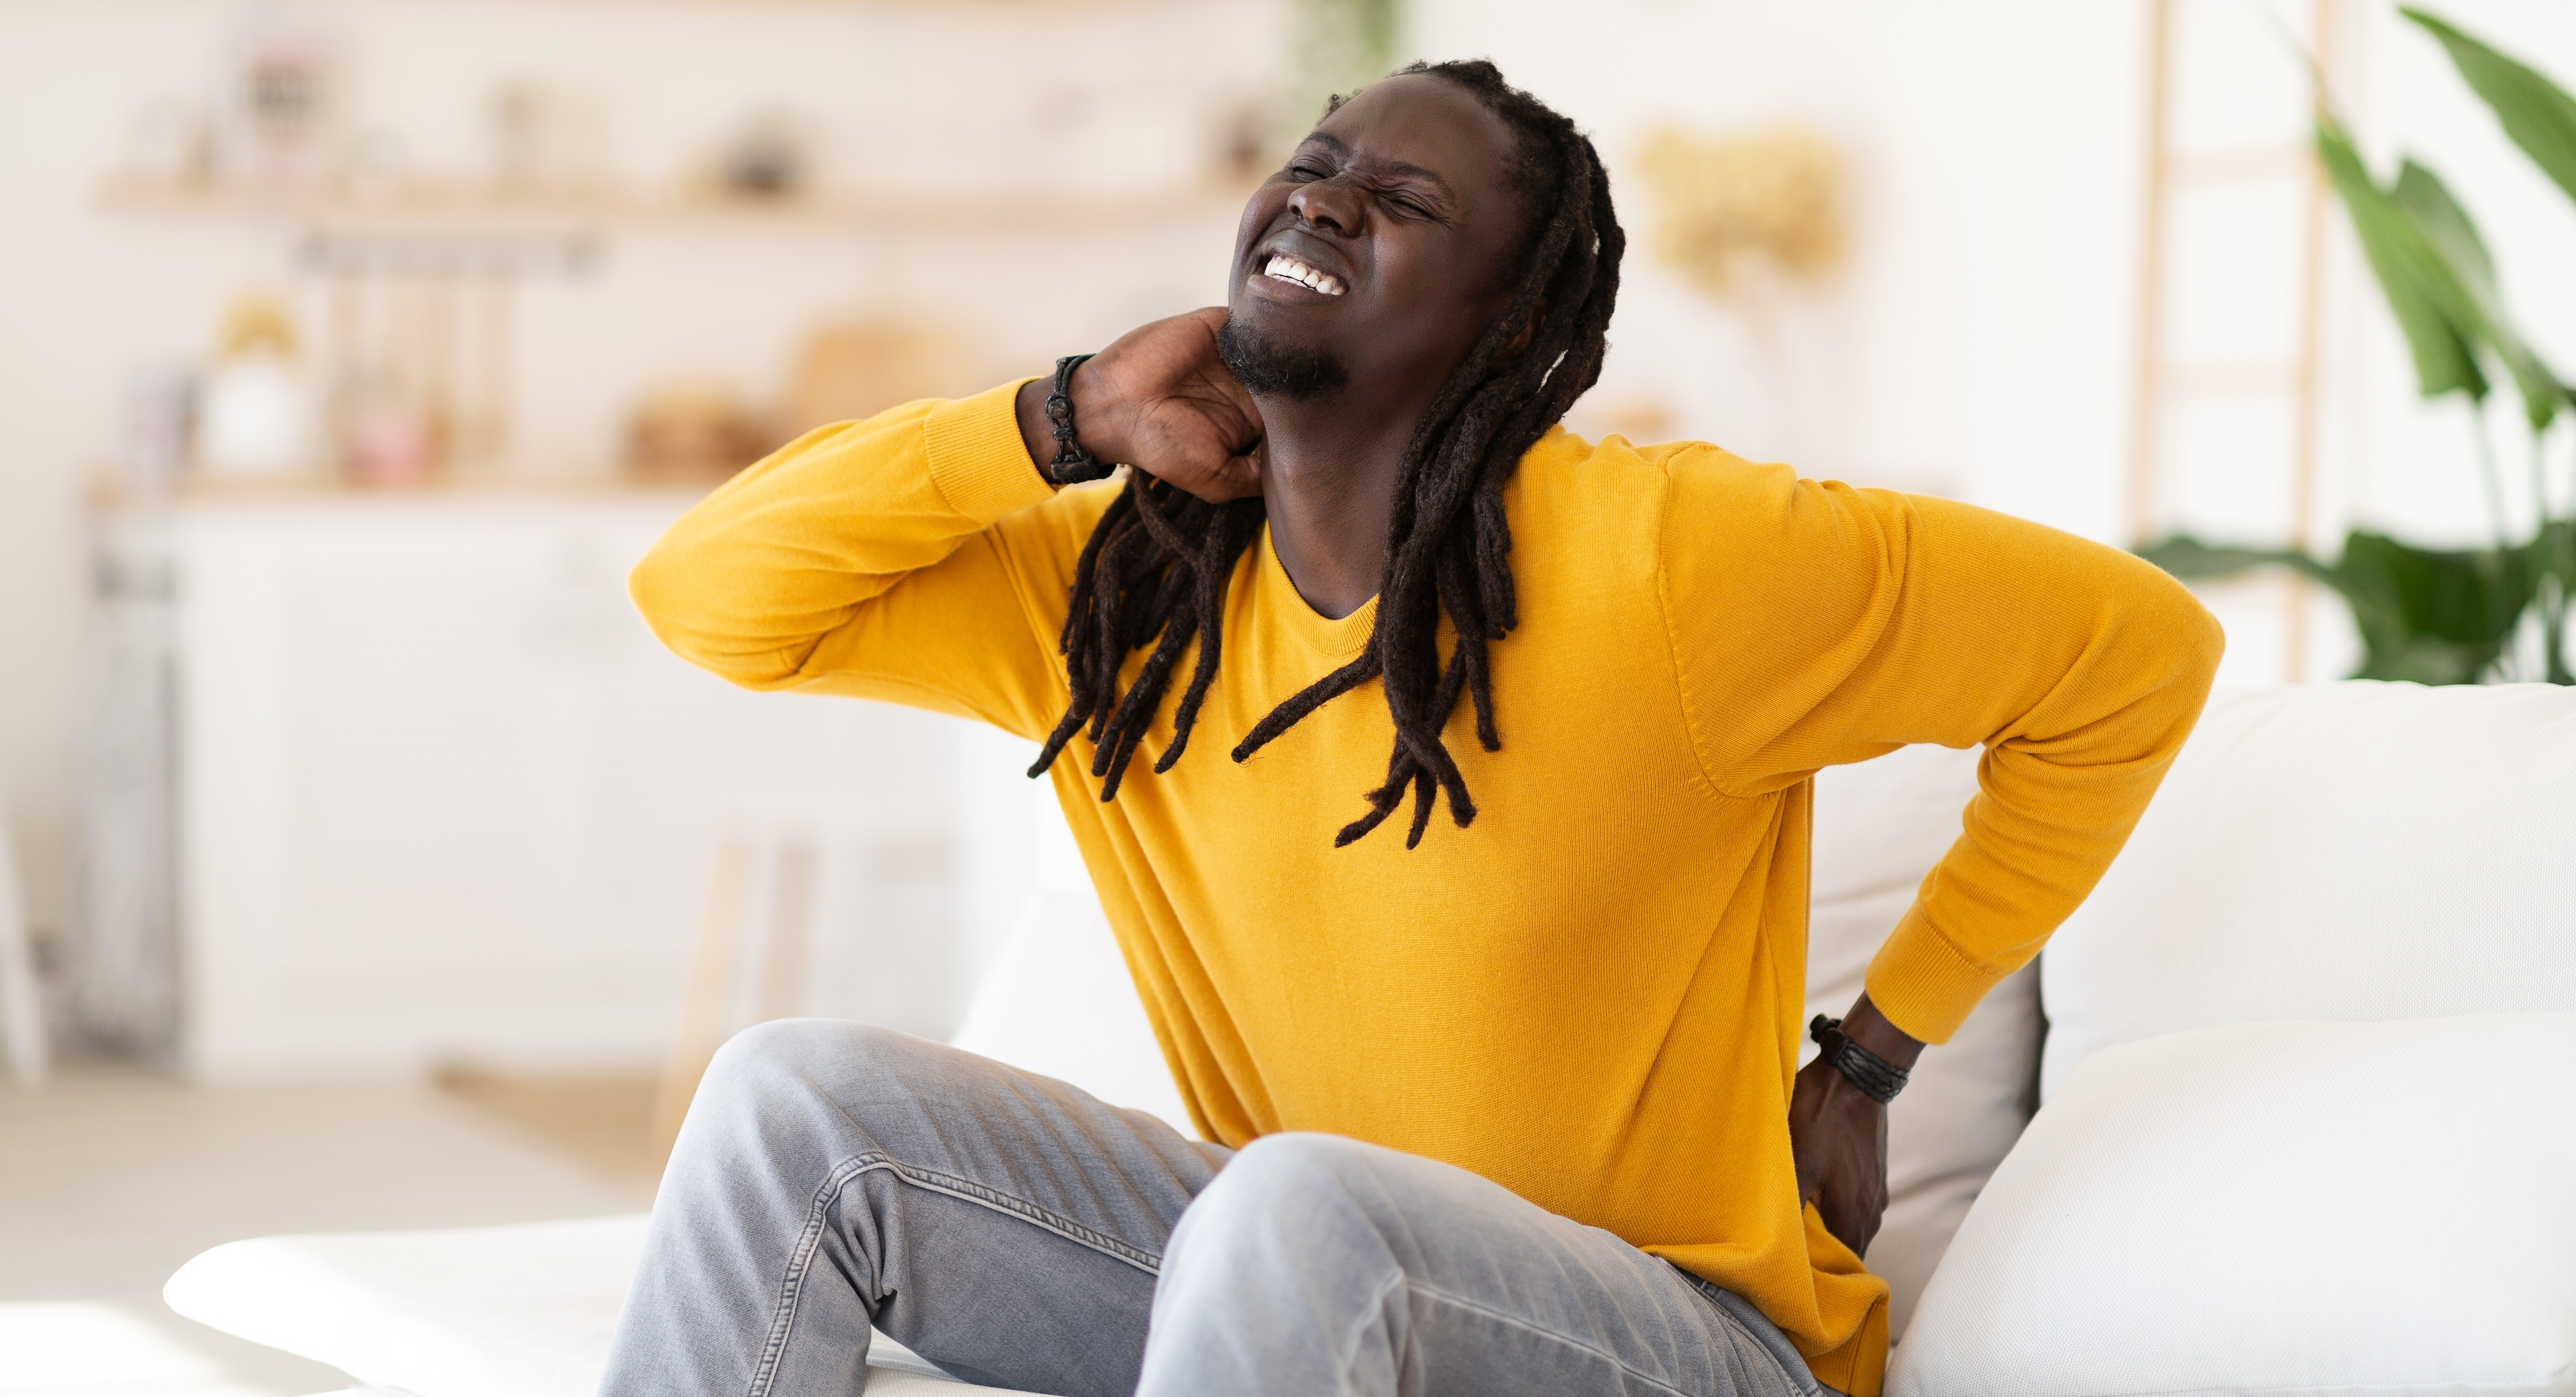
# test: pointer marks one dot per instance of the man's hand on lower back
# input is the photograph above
(1838, 1135)
(1839, 1139)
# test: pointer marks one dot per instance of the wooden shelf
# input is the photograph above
(112, 495)
(470, 205)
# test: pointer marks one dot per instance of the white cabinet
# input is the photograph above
(438, 794)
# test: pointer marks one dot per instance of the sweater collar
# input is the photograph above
(1342, 639)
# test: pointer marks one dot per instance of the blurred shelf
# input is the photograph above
(463, 205)
(109, 494)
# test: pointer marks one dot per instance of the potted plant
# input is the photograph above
(2446, 616)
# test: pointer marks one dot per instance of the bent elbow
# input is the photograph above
(655, 586)
(663, 589)
(673, 598)
(2199, 640)
(2212, 639)
(2189, 637)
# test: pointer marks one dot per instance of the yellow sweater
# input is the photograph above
(1592, 994)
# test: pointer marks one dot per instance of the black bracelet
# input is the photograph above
(1072, 465)
(1878, 1079)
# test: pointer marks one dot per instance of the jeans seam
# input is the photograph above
(791, 1286)
(1526, 1327)
(1065, 1227)
(1794, 1367)
(1373, 1309)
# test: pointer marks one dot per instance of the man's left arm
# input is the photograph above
(2079, 668)
(1880, 620)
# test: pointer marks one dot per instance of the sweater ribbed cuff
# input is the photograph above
(978, 459)
(1923, 984)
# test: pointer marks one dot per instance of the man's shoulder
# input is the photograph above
(1567, 478)
(1566, 459)
(1698, 513)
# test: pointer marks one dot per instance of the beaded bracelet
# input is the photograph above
(1072, 465)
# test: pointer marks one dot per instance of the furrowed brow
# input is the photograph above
(1404, 168)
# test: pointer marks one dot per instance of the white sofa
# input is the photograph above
(2308, 1057)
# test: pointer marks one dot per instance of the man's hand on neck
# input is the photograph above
(1158, 399)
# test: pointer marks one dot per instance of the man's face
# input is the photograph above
(1380, 254)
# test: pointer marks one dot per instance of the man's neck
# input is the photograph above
(1328, 486)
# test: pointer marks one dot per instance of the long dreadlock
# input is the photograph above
(1154, 571)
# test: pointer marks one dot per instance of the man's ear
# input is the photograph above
(1529, 332)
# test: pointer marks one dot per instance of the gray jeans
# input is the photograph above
(1020, 1233)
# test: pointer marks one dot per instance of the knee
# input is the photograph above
(798, 1058)
(1297, 1163)
(1292, 1185)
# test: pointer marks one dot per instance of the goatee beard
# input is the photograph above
(1268, 369)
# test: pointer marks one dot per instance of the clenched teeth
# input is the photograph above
(1288, 268)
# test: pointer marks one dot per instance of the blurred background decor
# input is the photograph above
(2434, 615)
(1752, 220)
(693, 431)
(1722, 202)
(256, 417)
(1340, 46)
(855, 368)
(358, 350)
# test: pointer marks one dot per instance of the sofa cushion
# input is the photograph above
(2325, 1209)
(520, 1311)
(2334, 851)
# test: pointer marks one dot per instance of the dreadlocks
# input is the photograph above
(1154, 571)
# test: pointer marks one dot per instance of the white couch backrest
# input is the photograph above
(1059, 1001)
(2335, 851)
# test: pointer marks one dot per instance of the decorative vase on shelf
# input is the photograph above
(255, 413)
(390, 440)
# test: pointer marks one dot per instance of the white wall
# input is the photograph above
(1980, 341)
(1975, 341)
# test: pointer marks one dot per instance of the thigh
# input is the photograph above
(830, 1176)
(1417, 1277)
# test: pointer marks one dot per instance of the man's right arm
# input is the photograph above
(915, 557)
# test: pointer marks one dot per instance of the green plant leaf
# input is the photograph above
(2468, 297)
(2536, 113)
(2433, 616)
(2191, 560)
(2422, 195)
(2420, 659)
(2412, 274)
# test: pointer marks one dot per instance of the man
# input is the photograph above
(1506, 1106)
